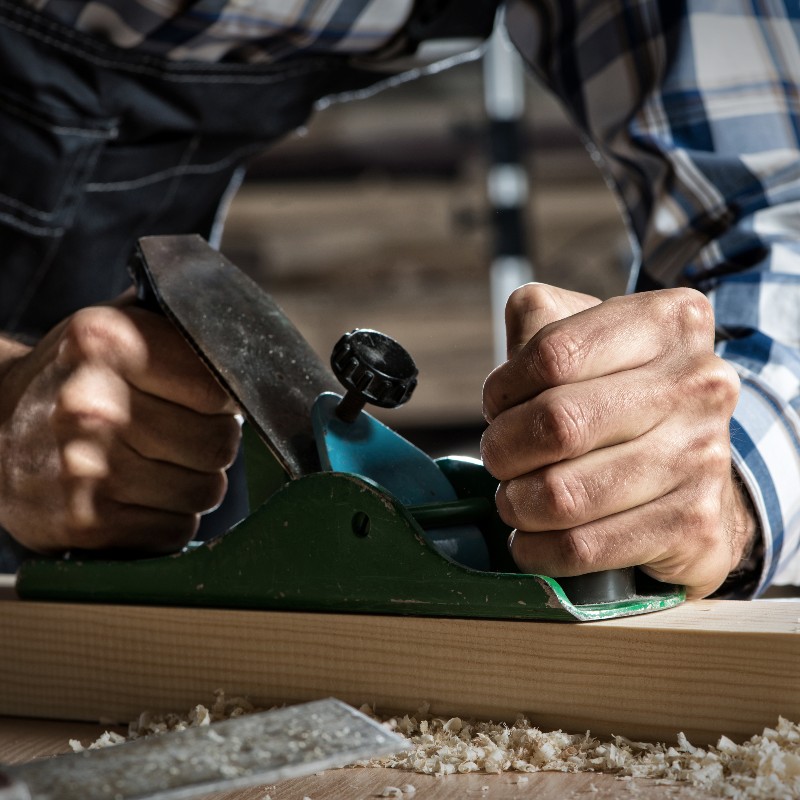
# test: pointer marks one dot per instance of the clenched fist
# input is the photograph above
(112, 435)
(609, 432)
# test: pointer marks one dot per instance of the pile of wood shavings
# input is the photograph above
(766, 767)
(149, 723)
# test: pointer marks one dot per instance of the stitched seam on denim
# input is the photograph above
(172, 172)
(20, 112)
(44, 216)
(180, 170)
(28, 228)
(81, 168)
(83, 161)
(77, 165)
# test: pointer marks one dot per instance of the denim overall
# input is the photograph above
(99, 146)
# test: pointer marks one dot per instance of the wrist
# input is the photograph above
(746, 543)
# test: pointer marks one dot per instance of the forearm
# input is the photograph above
(712, 199)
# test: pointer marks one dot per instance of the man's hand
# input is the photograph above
(609, 432)
(112, 435)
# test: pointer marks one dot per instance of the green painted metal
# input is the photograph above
(336, 542)
(320, 540)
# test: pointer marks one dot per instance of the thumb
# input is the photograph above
(534, 305)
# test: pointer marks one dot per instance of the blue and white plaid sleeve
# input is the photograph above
(693, 111)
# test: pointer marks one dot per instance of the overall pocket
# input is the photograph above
(47, 154)
(45, 158)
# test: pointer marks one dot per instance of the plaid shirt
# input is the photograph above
(692, 110)
(237, 30)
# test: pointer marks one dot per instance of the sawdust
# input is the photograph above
(765, 767)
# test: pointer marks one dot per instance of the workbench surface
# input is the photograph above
(23, 739)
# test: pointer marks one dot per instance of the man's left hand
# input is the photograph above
(609, 432)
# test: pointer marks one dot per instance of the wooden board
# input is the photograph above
(23, 740)
(706, 668)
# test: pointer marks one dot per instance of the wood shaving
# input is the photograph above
(108, 739)
(765, 767)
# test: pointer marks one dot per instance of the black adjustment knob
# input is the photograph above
(373, 368)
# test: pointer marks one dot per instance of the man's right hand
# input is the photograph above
(113, 435)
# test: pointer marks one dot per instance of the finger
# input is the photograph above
(146, 350)
(173, 370)
(568, 421)
(96, 401)
(119, 474)
(675, 539)
(620, 334)
(164, 431)
(585, 489)
(162, 486)
(93, 415)
(535, 305)
(93, 522)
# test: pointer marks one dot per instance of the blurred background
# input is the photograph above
(377, 215)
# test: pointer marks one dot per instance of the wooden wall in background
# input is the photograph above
(378, 217)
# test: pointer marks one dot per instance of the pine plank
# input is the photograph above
(707, 668)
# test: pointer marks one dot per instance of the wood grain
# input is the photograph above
(707, 668)
(23, 740)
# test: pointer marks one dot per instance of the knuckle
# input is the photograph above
(692, 313)
(714, 382)
(92, 334)
(564, 425)
(79, 411)
(702, 518)
(563, 497)
(70, 405)
(556, 356)
(575, 552)
(713, 452)
(722, 383)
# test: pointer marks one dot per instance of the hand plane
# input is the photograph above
(346, 515)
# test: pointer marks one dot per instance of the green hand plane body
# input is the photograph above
(347, 516)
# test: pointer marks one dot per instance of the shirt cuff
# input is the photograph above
(765, 449)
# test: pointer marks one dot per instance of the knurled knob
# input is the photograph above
(373, 368)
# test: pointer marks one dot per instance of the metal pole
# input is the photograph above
(507, 180)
